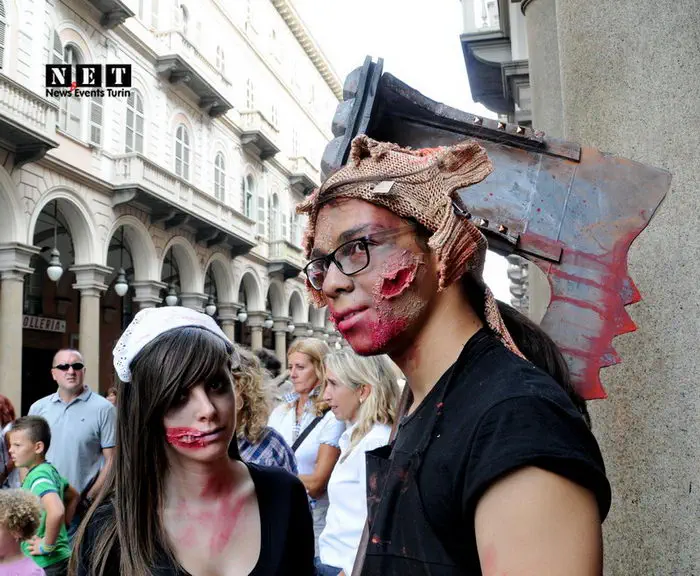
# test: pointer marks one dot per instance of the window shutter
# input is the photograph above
(3, 29)
(96, 111)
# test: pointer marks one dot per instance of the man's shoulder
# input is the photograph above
(99, 401)
(40, 405)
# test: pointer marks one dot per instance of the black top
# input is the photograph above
(499, 414)
(287, 537)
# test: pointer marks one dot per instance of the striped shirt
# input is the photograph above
(270, 450)
(40, 481)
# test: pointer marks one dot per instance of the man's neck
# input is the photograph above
(188, 480)
(437, 345)
(67, 396)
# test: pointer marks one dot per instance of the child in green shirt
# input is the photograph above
(30, 438)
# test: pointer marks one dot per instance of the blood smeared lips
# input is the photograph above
(192, 438)
(346, 320)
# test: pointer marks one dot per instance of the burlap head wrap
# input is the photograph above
(420, 185)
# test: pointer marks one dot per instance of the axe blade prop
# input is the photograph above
(571, 210)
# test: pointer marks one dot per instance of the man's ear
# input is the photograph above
(39, 447)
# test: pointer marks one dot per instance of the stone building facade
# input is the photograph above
(187, 182)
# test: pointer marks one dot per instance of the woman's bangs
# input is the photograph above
(192, 356)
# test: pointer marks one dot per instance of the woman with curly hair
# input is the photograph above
(19, 520)
(307, 424)
(257, 442)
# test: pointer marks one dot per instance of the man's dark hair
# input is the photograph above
(36, 428)
(269, 361)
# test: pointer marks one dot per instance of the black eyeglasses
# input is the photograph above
(350, 257)
(77, 366)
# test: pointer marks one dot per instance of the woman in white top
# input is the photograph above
(363, 392)
(317, 450)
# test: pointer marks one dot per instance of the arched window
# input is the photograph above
(274, 217)
(249, 95)
(3, 31)
(182, 152)
(70, 112)
(134, 122)
(248, 195)
(220, 60)
(219, 177)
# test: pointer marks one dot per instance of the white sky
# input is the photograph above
(419, 42)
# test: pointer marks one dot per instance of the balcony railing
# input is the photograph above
(304, 175)
(28, 108)
(177, 43)
(259, 136)
(27, 121)
(286, 258)
(137, 171)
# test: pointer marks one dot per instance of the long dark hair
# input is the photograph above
(171, 364)
(533, 341)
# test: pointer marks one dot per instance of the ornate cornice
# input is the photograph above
(313, 51)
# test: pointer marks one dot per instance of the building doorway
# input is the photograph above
(36, 376)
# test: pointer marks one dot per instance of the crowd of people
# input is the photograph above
(339, 406)
(204, 462)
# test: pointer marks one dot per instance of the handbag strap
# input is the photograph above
(307, 431)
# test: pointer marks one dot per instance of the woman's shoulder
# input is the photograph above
(274, 483)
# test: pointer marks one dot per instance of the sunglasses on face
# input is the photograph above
(77, 366)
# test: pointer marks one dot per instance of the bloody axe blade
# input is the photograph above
(572, 211)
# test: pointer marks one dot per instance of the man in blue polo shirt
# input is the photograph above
(83, 428)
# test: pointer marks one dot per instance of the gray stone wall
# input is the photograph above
(630, 85)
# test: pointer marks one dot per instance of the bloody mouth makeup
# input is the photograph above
(191, 438)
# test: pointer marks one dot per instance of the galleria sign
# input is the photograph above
(44, 324)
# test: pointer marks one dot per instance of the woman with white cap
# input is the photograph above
(175, 502)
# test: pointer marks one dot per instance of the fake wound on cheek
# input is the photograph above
(397, 274)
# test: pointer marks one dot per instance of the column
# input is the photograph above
(194, 300)
(279, 328)
(629, 81)
(14, 265)
(301, 330)
(148, 293)
(255, 323)
(89, 280)
(227, 318)
(543, 53)
(319, 333)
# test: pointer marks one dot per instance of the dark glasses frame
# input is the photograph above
(77, 366)
(366, 241)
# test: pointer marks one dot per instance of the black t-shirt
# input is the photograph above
(500, 413)
(287, 537)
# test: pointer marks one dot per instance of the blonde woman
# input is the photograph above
(362, 391)
(257, 442)
(306, 423)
